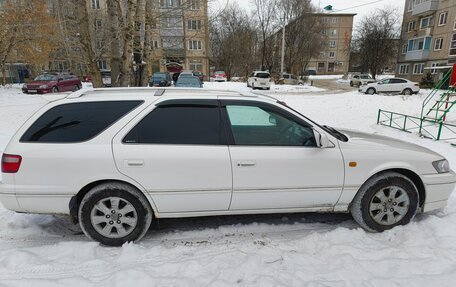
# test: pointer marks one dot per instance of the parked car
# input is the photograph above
(310, 72)
(114, 163)
(392, 85)
(189, 82)
(160, 79)
(52, 83)
(219, 76)
(259, 80)
(289, 79)
(199, 75)
(361, 79)
(106, 78)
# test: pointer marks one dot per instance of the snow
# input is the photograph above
(261, 250)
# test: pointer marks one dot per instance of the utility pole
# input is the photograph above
(283, 48)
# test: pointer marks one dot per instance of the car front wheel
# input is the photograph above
(370, 91)
(114, 213)
(407, 92)
(385, 201)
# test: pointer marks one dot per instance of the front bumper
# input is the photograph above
(36, 91)
(438, 189)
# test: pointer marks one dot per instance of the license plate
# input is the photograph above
(263, 84)
(32, 91)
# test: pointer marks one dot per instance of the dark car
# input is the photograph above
(199, 75)
(160, 79)
(189, 82)
(52, 83)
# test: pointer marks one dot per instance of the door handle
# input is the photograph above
(135, 163)
(246, 163)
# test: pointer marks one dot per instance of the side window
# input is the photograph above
(252, 125)
(178, 124)
(386, 81)
(76, 122)
(397, 81)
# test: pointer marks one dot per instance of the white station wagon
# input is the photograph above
(116, 159)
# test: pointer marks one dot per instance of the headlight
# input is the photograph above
(441, 166)
(43, 86)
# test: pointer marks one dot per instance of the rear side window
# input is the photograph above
(181, 124)
(77, 122)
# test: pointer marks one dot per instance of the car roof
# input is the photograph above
(148, 93)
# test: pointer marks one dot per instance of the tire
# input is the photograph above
(370, 91)
(75, 88)
(400, 200)
(55, 90)
(407, 92)
(351, 84)
(133, 207)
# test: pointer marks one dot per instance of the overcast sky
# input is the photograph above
(362, 7)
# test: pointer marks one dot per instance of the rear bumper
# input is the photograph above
(438, 189)
(8, 198)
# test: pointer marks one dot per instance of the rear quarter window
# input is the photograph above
(76, 122)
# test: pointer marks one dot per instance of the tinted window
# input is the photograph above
(182, 124)
(76, 122)
(397, 81)
(263, 75)
(253, 125)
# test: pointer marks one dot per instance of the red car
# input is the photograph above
(219, 76)
(52, 83)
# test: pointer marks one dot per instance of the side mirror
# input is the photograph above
(323, 140)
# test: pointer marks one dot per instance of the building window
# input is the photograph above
(334, 20)
(425, 22)
(438, 44)
(410, 26)
(443, 18)
(323, 32)
(334, 32)
(331, 67)
(332, 54)
(418, 44)
(404, 48)
(454, 24)
(194, 4)
(418, 68)
(410, 5)
(332, 44)
(171, 22)
(95, 4)
(154, 44)
(99, 44)
(194, 45)
(196, 67)
(403, 69)
(102, 64)
(434, 71)
(194, 24)
(322, 55)
(169, 3)
(97, 24)
(324, 20)
(453, 45)
(321, 67)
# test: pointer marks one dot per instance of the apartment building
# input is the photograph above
(428, 38)
(336, 36)
(175, 35)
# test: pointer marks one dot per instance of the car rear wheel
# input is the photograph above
(407, 92)
(351, 84)
(370, 91)
(385, 201)
(55, 90)
(114, 213)
(75, 88)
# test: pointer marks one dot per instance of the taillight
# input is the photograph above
(11, 163)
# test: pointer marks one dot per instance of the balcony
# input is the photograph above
(417, 55)
(430, 5)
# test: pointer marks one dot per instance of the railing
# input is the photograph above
(428, 128)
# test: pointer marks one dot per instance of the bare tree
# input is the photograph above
(265, 14)
(375, 39)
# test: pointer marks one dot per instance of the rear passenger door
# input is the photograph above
(398, 85)
(177, 152)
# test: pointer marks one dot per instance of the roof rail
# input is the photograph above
(79, 93)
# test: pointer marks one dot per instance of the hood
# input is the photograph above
(385, 143)
(39, 83)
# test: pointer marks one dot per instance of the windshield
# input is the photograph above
(46, 77)
(188, 82)
(221, 73)
(159, 77)
(365, 77)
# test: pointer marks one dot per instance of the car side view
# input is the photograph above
(393, 85)
(117, 159)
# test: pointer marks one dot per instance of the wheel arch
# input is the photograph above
(414, 177)
(76, 199)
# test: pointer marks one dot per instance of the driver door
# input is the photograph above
(275, 161)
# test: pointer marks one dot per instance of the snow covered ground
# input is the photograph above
(266, 250)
